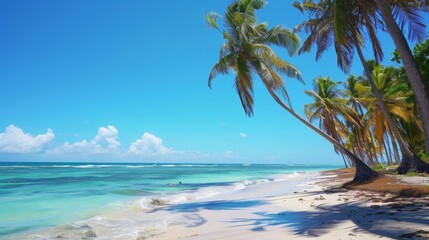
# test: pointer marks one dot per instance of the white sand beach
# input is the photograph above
(256, 213)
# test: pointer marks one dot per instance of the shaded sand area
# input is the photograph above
(320, 210)
(307, 206)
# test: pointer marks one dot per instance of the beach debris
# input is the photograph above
(319, 198)
(375, 206)
(159, 202)
(300, 199)
(351, 234)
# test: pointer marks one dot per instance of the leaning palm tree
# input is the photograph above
(337, 22)
(247, 52)
(394, 95)
(360, 134)
(408, 12)
(327, 108)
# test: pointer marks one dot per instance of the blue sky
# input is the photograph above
(127, 81)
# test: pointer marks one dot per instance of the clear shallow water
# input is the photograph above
(35, 196)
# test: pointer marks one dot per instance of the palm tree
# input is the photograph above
(407, 12)
(394, 93)
(337, 22)
(247, 52)
(328, 106)
(359, 134)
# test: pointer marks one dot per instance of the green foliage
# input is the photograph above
(351, 115)
(379, 167)
(246, 51)
(421, 56)
(423, 156)
(413, 174)
(211, 19)
(385, 169)
(391, 118)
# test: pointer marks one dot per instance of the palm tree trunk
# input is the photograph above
(414, 76)
(363, 172)
(387, 151)
(410, 162)
(344, 160)
(371, 147)
(395, 150)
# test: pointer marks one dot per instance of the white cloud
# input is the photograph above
(106, 141)
(243, 135)
(14, 140)
(149, 145)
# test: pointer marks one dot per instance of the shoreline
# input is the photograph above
(148, 217)
(320, 210)
(306, 205)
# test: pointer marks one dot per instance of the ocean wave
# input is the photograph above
(156, 201)
(83, 166)
(141, 218)
(97, 166)
(17, 166)
(140, 166)
(293, 175)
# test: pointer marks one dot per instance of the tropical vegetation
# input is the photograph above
(345, 24)
(247, 52)
(373, 119)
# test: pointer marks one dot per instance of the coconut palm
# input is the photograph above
(395, 94)
(359, 135)
(247, 52)
(407, 13)
(328, 106)
(336, 22)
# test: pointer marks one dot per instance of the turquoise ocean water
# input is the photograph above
(35, 196)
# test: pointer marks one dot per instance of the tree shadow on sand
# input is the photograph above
(384, 221)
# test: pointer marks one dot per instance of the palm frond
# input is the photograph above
(220, 67)
(244, 85)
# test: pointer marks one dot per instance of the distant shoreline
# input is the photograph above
(334, 166)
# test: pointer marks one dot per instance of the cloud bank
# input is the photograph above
(106, 141)
(15, 140)
(148, 145)
(104, 144)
